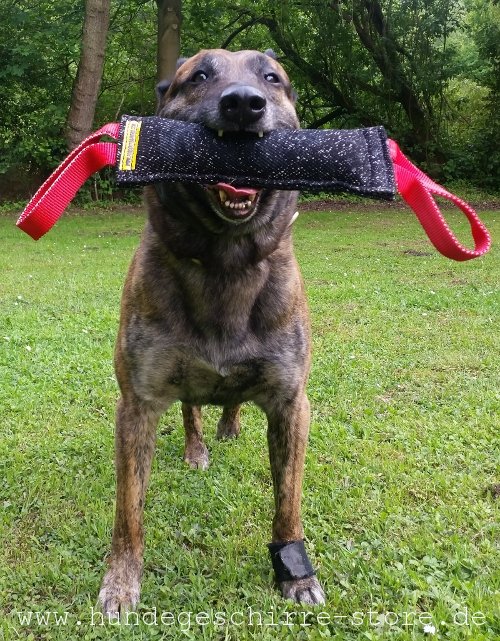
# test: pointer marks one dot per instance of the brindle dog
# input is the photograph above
(213, 312)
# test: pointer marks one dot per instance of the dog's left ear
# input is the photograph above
(272, 54)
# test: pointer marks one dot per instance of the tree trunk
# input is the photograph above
(169, 37)
(89, 74)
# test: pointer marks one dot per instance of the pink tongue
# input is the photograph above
(233, 192)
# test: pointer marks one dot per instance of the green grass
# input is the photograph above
(403, 445)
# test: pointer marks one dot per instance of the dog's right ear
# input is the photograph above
(162, 88)
(163, 85)
(271, 54)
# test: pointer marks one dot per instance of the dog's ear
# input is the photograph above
(163, 85)
(162, 88)
(293, 93)
(271, 54)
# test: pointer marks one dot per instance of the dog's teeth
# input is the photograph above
(221, 133)
(261, 133)
(251, 198)
(235, 204)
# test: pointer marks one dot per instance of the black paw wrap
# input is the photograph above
(290, 561)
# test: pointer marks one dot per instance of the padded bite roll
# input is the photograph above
(153, 149)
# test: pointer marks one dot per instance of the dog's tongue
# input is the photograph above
(234, 192)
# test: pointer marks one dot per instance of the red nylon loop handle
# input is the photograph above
(417, 188)
(49, 202)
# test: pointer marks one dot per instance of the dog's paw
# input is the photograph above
(120, 590)
(306, 591)
(227, 429)
(196, 456)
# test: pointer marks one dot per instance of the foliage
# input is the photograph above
(429, 71)
(37, 66)
(475, 143)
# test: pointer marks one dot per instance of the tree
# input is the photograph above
(484, 26)
(89, 75)
(169, 37)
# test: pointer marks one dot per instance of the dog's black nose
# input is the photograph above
(242, 104)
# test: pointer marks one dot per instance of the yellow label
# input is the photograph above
(130, 145)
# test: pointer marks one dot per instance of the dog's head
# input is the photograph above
(234, 93)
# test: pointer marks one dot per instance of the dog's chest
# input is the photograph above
(214, 372)
(197, 376)
(219, 339)
(202, 380)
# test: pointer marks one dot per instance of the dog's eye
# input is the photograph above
(272, 77)
(198, 77)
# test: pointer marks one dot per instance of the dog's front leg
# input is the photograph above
(288, 428)
(134, 447)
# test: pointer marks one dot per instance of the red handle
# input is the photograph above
(417, 189)
(49, 202)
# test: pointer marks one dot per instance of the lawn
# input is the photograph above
(400, 506)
